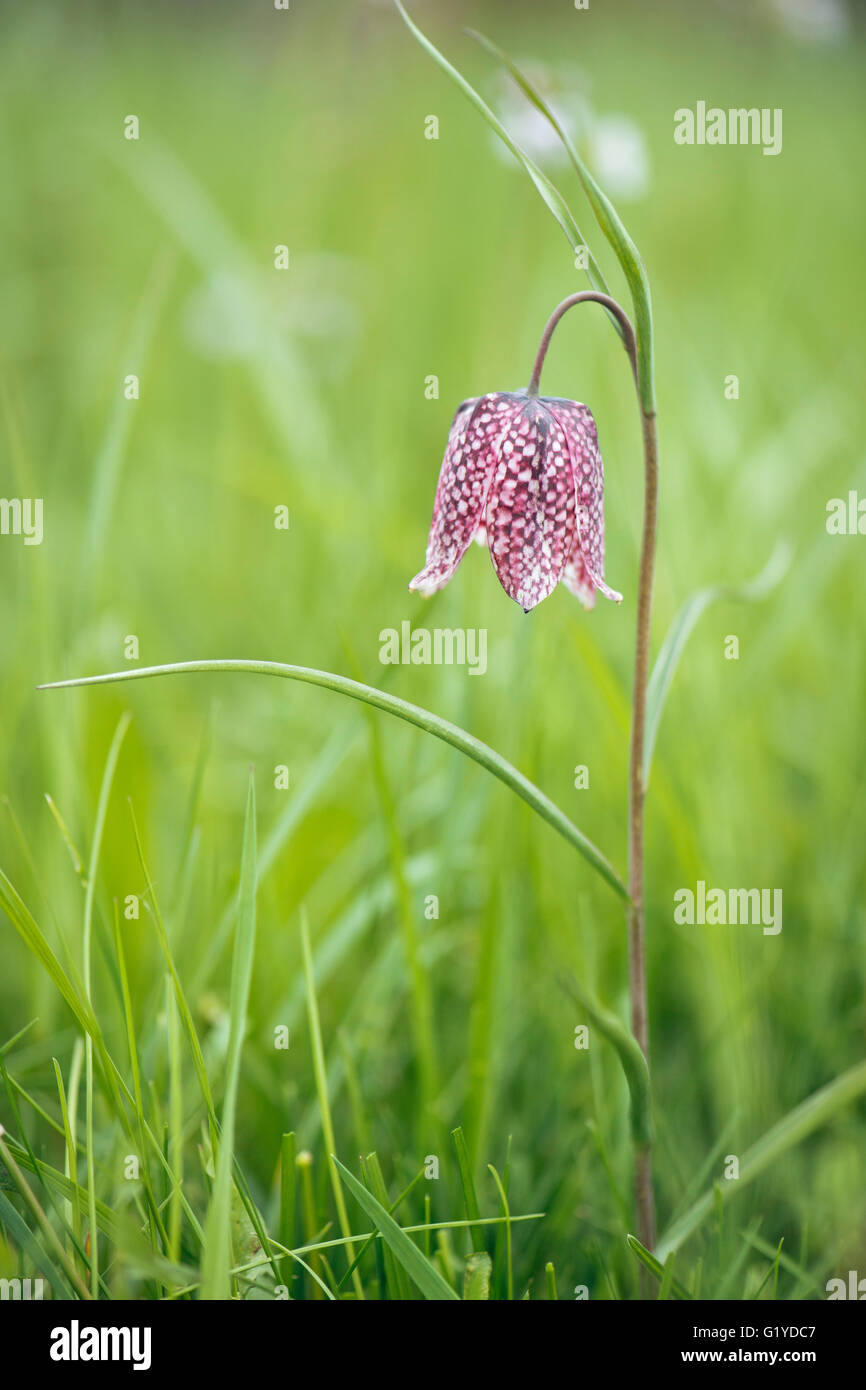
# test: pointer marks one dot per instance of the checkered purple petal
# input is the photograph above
(467, 468)
(576, 577)
(579, 426)
(530, 514)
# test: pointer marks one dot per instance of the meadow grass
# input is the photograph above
(157, 1143)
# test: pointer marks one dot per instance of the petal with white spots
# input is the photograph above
(579, 426)
(464, 480)
(530, 515)
(576, 578)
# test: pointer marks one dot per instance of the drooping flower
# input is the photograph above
(523, 475)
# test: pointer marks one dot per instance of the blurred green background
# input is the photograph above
(305, 387)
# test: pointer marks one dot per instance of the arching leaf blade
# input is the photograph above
(442, 729)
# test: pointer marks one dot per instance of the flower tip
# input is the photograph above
(419, 585)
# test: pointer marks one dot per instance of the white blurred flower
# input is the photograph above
(813, 21)
(528, 127)
(614, 144)
(618, 156)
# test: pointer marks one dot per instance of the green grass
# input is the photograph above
(151, 953)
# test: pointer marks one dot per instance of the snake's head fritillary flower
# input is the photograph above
(522, 474)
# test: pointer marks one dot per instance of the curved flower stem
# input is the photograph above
(637, 796)
(595, 297)
(645, 1209)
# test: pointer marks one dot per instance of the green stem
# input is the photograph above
(637, 799)
(637, 778)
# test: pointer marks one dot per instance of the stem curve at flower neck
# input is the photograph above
(584, 296)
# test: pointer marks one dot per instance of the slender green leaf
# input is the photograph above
(20, 1232)
(398, 1282)
(322, 1092)
(175, 1122)
(71, 1153)
(630, 1056)
(154, 1214)
(374, 1235)
(421, 1228)
(503, 1197)
(62, 1185)
(549, 193)
(807, 1282)
(667, 1278)
(195, 1050)
(611, 225)
(772, 1273)
(662, 1272)
(274, 843)
(29, 931)
(470, 1200)
(216, 1254)
(790, 1130)
(449, 733)
(288, 1184)
(87, 932)
(8, 1159)
(422, 1273)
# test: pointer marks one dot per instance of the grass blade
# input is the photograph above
(549, 193)
(374, 1235)
(71, 1153)
(470, 1199)
(630, 1056)
(663, 1272)
(92, 868)
(126, 995)
(175, 1123)
(22, 1234)
(322, 1092)
(790, 1130)
(216, 1254)
(398, 1283)
(288, 1183)
(30, 932)
(45, 1225)
(420, 1270)
(503, 1197)
(611, 225)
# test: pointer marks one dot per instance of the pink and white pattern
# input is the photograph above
(523, 476)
